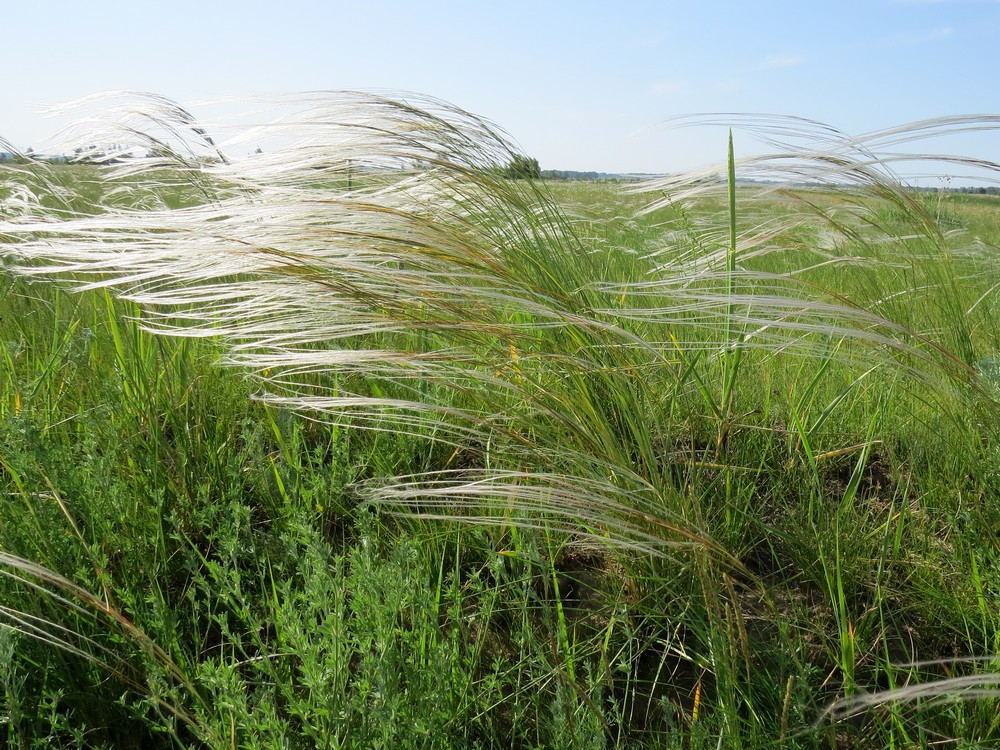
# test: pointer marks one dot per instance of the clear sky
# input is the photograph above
(580, 85)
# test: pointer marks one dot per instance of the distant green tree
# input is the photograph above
(523, 168)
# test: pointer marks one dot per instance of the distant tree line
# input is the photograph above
(523, 168)
(572, 174)
(526, 168)
(963, 190)
(976, 190)
(92, 154)
(84, 155)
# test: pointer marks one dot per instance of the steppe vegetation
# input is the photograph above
(359, 442)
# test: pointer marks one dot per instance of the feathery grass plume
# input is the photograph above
(366, 257)
(918, 699)
(856, 261)
(377, 265)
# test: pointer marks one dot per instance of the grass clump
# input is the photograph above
(716, 459)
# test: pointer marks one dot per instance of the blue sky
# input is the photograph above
(580, 85)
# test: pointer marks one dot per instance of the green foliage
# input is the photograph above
(719, 473)
(523, 168)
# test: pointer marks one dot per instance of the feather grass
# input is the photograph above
(429, 270)
(377, 268)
